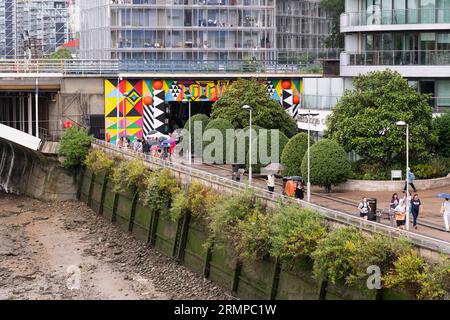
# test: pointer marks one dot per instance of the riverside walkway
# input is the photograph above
(424, 238)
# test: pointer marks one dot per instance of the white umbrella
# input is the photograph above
(273, 168)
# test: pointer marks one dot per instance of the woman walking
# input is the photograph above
(416, 207)
(445, 211)
(299, 190)
(364, 208)
(400, 213)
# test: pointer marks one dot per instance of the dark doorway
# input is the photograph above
(426, 86)
(178, 112)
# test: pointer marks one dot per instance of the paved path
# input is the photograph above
(431, 203)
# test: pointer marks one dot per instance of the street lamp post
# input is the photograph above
(190, 130)
(119, 79)
(247, 107)
(308, 184)
(404, 124)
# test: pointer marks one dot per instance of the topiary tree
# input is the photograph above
(329, 164)
(266, 112)
(212, 149)
(293, 153)
(441, 127)
(197, 139)
(263, 140)
(62, 53)
(74, 146)
(364, 119)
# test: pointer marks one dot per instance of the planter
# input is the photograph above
(222, 266)
(255, 279)
(109, 202)
(297, 281)
(166, 234)
(195, 251)
(142, 222)
(124, 209)
(85, 186)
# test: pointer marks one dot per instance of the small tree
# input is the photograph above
(267, 113)
(74, 146)
(222, 125)
(62, 53)
(293, 153)
(441, 126)
(364, 119)
(329, 164)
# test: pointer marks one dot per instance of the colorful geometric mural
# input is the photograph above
(126, 114)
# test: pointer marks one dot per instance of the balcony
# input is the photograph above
(395, 19)
(409, 63)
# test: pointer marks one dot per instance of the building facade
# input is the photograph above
(198, 30)
(409, 36)
(32, 27)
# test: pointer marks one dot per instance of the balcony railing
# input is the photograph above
(376, 16)
(400, 57)
(205, 66)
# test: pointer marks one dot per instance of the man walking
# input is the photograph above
(416, 206)
(411, 179)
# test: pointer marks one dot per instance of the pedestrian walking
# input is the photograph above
(392, 205)
(271, 182)
(364, 208)
(299, 190)
(445, 211)
(400, 213)
(416, 206)
(411, 178)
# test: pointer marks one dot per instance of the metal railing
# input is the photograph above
(330, 214)
(72, 67)
(376, 16)
(205, 66)
(400, 57)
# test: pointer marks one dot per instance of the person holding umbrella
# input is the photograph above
(445, 210)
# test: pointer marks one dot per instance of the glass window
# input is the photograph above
(399, 12)
(413, 11)
(427, 11)
(443, 93)
(443, 11)
(386, 12)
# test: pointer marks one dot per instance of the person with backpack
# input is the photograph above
(411, 178)
(364, 208)
(400, 213)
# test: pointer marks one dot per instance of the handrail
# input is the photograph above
(331, 214)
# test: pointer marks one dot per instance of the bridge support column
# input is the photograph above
(14, 113)
(21, 112)
(37, 107)
(30, 114)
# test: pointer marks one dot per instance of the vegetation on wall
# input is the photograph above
(243, 223)
(99, 162)
(74, 146)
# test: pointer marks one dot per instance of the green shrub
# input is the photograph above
(196, 140)
(293, 154)
(314, 68)
(129, 175)
(264, 139)
(441, 126)
(74, 146)
(436, 281)
(376, 250)
(197, 200)
(213, 155)
(242, 142)
(99, 162)
(254, 232)
(329, 164)
(333, 255)
(160, 189)
(408, 272)
(225, 215)
(424, 171)
(295, 232)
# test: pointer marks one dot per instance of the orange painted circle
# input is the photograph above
(296, 100)
(148, 100)
(286, 84)
(157, 84)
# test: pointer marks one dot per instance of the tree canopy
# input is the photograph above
(334, 9)
(266, 112)
(62, 53)
(364, 119)
(441, 126)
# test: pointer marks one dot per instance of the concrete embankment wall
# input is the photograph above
(23, 171)
(186, 239)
